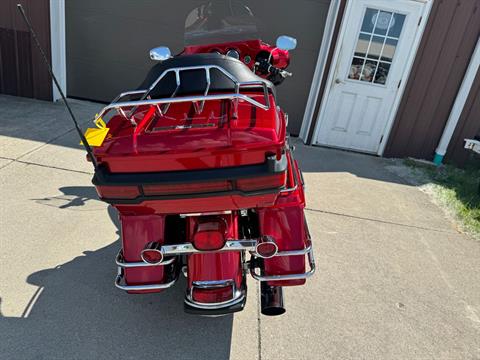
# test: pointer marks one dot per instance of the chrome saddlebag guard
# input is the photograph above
(170, 251)
(122, 264)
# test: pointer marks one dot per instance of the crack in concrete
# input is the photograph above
(470, 311)
(259, 324)
(43, 165)
(40, 146)
(381, 221)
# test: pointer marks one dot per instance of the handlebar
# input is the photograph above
(265, 67)
(276, 71)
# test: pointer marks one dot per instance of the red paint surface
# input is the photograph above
(137, 231)
(222, 142)
(286, 223)
(251, 48)
(215, 266)
(217, 140)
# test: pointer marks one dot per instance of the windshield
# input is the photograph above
(220, 21)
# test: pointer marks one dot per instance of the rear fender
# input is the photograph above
(214, 267)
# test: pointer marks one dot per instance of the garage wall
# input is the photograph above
(22, 71)
(108, 43)
(443, 57)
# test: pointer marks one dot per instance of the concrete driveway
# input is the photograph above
(395, 279)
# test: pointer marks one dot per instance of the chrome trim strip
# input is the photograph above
(226, 212)
(295, 252)
(119, 283)
(127, 93)
(238, 295)
(188, 248)
(120, 261)
(206, 284)
(305, 275)
(302, 180)
(295, 178)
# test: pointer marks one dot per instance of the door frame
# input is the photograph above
(320, 68)
(408, 67)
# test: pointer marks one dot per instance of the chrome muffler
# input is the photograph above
(271, 300)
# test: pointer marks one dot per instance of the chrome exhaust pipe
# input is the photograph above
(271, 300)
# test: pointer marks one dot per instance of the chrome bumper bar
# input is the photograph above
(188, 248)
(120, 283)
(238, 295)
(231, 245)
(120, 261)
(122, 264)
(171, 251)
(311, 261)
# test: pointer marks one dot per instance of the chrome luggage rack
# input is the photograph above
(198, 100)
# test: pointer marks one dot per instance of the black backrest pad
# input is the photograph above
(194, 81)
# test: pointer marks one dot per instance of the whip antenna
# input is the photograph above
(49, 67)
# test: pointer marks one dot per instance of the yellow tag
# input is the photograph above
(96, 136)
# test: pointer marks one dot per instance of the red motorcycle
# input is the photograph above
(197, 163)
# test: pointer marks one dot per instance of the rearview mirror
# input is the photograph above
(161, 53)
(286, 42)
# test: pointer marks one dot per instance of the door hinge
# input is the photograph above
(420, 20)
(399, 83)
(381, 139)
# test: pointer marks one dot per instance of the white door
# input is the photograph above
(370, 63)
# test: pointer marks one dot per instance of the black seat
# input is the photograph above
(194, 81)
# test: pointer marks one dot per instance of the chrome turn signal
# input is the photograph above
(152, 253)
(266, 248)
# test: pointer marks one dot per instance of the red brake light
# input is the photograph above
(210, 234)
(152, 256)
(152, 253)
(214, 295)
(118, 192)
(264, 182)
(266, 249)
(200, 187)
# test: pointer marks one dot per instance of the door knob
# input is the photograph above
(338, 81)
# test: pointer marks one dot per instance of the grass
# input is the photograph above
(455, 189)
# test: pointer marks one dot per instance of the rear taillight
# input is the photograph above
(261, 183)
(209, 234)
(214, 295)
(195, 188)
(118, 192)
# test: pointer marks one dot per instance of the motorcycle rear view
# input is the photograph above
(198, 164)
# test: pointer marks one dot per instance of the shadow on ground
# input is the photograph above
(73, 198)
(315, 159)
(78, 313)
(43, 121)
